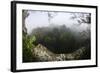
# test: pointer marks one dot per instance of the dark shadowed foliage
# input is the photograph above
(60, 39)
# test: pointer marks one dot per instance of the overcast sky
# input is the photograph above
(40, 19)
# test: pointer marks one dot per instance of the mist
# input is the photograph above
(56, 34)
(40, 19)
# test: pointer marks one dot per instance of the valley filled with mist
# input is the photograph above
(56, 36)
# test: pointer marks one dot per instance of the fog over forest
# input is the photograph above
(71, 20)
(53, 35)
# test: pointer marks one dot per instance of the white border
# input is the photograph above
(35, 65)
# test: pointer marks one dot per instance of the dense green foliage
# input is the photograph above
(27, 47)
(56, 39)
(60, 39)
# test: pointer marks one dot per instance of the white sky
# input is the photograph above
(40, 19)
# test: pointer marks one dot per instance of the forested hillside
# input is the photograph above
(57, 42)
